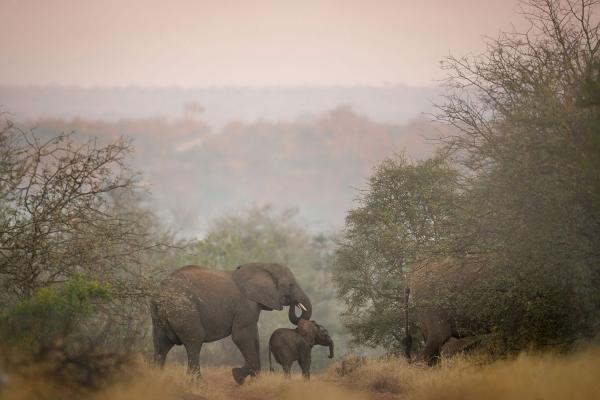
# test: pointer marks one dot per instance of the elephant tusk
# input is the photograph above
(302, 307)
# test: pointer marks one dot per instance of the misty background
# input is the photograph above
(204, 152)
(235, 104)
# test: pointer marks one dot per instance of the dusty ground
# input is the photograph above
(548, 377)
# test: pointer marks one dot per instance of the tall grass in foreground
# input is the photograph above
(526, 377)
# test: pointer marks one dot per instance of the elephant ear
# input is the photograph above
(258, 284)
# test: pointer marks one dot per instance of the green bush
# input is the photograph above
(61, 331)
(53, 313)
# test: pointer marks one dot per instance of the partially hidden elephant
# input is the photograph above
(289, 345)
(431, 284)
(196, 305)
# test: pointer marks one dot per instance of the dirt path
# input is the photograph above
(219, 385)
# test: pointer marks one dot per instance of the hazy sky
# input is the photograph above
(241, 42)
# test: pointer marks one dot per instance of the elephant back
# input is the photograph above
(431, 280)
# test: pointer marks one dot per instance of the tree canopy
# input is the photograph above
(520, 193)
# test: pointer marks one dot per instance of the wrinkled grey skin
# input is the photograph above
(289, 345)
(438, 326)
(197, 305)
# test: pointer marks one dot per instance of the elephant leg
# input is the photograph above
(287, 370)
(246, 339)
(257, 349)
(437, 328)
(162, 343)
(161, 349)
(431, 351)
(305, 361)
(193, 355)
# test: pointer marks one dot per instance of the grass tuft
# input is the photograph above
(549, 377)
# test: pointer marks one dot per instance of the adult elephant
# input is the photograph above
(435, 285)
(198, 305)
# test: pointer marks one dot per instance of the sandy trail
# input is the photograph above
(219, 385)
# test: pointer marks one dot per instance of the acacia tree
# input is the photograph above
(69, 208)
(77, 250)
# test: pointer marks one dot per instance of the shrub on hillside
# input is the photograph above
(60, 332)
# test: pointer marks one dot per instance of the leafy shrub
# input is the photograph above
(52, 314)
(60, 331)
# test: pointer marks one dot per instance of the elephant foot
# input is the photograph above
(196, 377)
(239, 375)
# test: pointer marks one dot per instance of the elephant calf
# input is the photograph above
(289, 345)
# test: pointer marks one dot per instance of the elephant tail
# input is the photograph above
(270, 365)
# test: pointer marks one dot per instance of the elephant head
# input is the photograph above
(273, 286)
(324, 339)
(314, 333)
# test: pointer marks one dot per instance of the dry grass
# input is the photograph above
(217, 384)
(527, 377)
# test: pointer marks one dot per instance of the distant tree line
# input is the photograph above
(327, 155)
(516, 192)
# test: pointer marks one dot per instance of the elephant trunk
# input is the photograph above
(330, 348)
(301, 300)
(292, 314)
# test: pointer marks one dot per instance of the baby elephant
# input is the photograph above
(289, 345)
